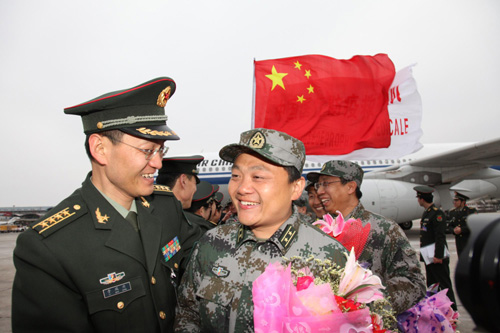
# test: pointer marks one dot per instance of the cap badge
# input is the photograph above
(100, 218)
(112, 278)
(163, 97)
(257, 141)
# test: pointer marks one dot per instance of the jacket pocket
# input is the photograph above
(216, 296)
(116, 297)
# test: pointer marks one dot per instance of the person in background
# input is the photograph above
(215, 294)
(387, 251)
(457, 219)
(433, 233)
(314, 201)
(101, 261)
(202, 206)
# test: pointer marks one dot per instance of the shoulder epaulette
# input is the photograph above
(58, 220)
(162, 188)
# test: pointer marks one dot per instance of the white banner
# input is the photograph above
(405, 113)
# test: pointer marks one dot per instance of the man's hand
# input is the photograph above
(438, 261)
(457, 230)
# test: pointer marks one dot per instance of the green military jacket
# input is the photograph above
(389, 255)
(215, 294)
(457, 217)
(164, 200)
(199, 221)
(83, 268)
(433, 230)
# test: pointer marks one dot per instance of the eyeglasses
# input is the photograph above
(150, 153)
(325, 184)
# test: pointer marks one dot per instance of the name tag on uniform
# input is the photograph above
(116, 290)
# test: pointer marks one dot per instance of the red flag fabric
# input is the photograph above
(333, 106)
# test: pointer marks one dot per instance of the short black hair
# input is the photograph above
(359, 194)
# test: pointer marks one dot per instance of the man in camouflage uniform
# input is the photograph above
(387, 252)
(215, 294)
(433, 233)
(101, 261)
(457, 219)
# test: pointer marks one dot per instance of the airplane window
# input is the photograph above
(217, 169)
(404, 159)
(386, 161)
(399, 161)
(392, 161)
(362, 162)
(223, 168)
(204, 169)
(368, 162)
(209, 169)
(380, 162)
(307, 165)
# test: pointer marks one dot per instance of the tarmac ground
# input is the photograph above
(7, 271)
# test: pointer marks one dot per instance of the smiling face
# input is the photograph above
(122, 172)
(262, 194)
(337, 196)
(315, 202)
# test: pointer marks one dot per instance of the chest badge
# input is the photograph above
(171, 249)
(112, 278)
(220, 271)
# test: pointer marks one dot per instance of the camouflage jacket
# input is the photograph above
(389, 254)
(215, 294)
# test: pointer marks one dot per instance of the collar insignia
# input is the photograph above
(257, 141)
(145, 203)
(241, 234)
(287, 236)
(220, 271)
(171, 249)
(100, 218)
(112, 278)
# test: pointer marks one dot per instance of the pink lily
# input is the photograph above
(331, 226)
(359, 284)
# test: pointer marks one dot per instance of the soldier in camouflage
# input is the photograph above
(215, 294)
(457, 219)
(387, 252)
(433, 233)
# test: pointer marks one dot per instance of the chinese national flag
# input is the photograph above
(333, 106)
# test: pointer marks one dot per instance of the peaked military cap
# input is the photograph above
(347, 170)
(218, 197)
(274, 146)
(181, 164)
(423, 189)
(204, 191)
(138, 111)
(461, 196)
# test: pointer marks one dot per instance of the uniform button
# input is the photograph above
(120, 305)
(176, 266)
(163, 315)
(261, 248)
(153, 280)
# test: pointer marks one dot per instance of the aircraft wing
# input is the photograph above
(485, 154)
(448, 167)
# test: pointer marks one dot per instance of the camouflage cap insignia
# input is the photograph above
(287, 236)
(55, 219)
(100, 218)
(171, 249)
(220, 271)
(257, 141)
(112, 278)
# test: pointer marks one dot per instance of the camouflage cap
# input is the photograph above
(274, 146)
(347, 170)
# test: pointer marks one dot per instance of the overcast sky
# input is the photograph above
(56, 54)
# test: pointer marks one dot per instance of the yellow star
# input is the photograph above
(308, 73)
(301, 99)
(311, 89)
(277, 78)
(298, 65)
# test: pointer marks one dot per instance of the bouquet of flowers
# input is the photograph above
(350, 233)
(432, 314)
(313, 296)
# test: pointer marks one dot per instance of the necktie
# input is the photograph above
(132, 218)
